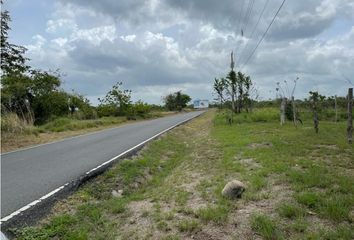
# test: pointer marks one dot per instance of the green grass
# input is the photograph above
(188, 226)
(290, 211)
(70, 124)
(309, 199)
(297, 158)
(265, 227)
(216, 214)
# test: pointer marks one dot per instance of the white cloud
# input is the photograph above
(60, 41)
(96, 35)
(160, 46)
(61, 26)
(128, 38)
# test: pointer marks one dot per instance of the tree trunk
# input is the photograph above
(294, 112)
(315, 120)
(350, 116)
(233, 102)
(282, 110)
(335, 109)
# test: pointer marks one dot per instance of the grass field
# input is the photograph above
(299, 186)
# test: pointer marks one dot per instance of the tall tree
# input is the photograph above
(118, 98)
(12, 56)
(231, 81)
(176, 101)
(219, 88)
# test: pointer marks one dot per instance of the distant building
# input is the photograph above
(200, 104)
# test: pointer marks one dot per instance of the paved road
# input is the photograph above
(29, 174)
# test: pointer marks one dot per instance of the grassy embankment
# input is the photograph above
(299, 186)
(16, 133)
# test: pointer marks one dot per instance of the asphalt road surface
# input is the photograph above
(27, 175)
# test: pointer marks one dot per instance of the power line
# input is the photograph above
(248, 15)
(259, 42)
(241, 16)
(240, 23)
(254, 28)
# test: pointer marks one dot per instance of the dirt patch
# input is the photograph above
(139, 222)
(333, 147)
(214, 232)
(250, 163)
(260, 145)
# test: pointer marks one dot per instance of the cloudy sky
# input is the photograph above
(160, 46)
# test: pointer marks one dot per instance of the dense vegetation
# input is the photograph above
(236, 93)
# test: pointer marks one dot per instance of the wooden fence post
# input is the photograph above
(282, 110)
(335, 109)
(294, 112)
(350, 116)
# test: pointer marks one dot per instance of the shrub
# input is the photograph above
(139, 109)
(106, 110)
(50, 105)
(12, 123)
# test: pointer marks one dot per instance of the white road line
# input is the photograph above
(24, 208)
(8, 217)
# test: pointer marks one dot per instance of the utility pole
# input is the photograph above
(232, 65)
(350, 116)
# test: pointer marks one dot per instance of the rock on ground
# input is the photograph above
(118, 193)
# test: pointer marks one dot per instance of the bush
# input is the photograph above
(50, 105)
(139, 109)
(85, 113)
(106, 110)
(289, 111)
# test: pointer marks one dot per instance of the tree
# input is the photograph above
(244, 84)
(231, 83)
(315, 100)
(138, 109)
(238, 87)
(80, 107)
(33, 95)
(219, 88)
(176, 101)
(116, 101)
(50, 105)
(290, 110)
(12, 56)
(20, 91)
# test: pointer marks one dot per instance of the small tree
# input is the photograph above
(117, 100)
(315, 102)
(176, 101)
(244, 88)
(50, 105)
(80, 107)
(138, 109)
(12, 56)
(219, 88)
(289, 106)
(231, 83)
